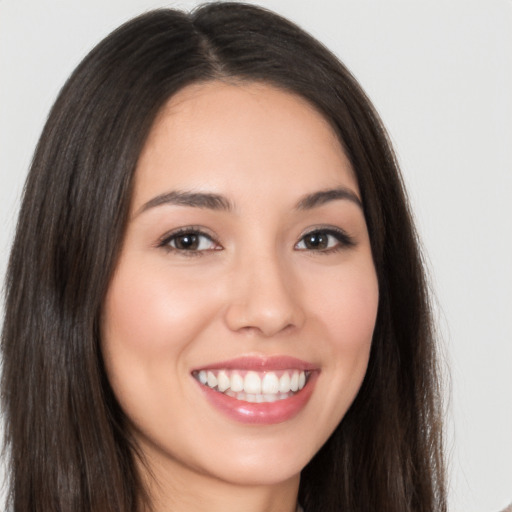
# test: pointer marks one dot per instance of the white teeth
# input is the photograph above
(223, 381)
(254, 386)
(252, 383)
(284, 383)
(270, 384)
(237, 383)
(212, 380)
(302, 380)
(294, 383)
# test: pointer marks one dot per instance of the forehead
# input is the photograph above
(216, 135)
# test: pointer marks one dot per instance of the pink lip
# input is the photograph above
(261, 413)
(261, 363)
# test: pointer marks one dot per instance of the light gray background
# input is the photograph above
(440, 74)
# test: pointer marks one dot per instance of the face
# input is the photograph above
(237, 326)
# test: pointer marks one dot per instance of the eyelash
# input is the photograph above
(343, 240)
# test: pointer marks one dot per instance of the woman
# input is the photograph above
(215, 298)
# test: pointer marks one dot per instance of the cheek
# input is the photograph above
(343, 305)
(346, 309)
(346, 305)
(149, 327)
(151, 312)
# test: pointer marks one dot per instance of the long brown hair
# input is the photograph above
(66, 436)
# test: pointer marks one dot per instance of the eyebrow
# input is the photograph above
(193, 199)
(322, 197)
(218, 202)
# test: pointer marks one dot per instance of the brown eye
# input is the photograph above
(324, 240)
(189, 241)
(186, 242)
(316, 241)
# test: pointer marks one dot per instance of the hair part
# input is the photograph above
(68, 440)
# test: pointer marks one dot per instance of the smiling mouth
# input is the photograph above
(254, 386)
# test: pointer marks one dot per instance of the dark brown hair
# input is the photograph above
(66, 437)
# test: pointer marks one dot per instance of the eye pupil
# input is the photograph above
(186, 241)
(316, 241)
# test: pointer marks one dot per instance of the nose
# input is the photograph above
(263, 298)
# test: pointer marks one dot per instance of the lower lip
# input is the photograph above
(266, 413)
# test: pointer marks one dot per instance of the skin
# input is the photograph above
(251, 288)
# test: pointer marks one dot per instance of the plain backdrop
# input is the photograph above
(440, 74)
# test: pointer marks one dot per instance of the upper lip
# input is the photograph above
(260, 363)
